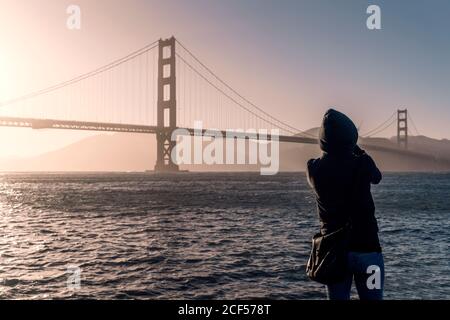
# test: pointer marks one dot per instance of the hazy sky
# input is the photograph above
(293, 58)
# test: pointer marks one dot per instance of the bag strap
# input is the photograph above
(354, 186)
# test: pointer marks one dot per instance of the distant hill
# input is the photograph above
(437, 148)
(387, 161)
(103, 152)
(137, 152)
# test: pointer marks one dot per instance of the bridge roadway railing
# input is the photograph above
(119, 127)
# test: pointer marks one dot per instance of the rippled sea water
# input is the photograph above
(203, 235)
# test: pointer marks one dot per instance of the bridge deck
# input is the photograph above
(74, 125)
(119, 127)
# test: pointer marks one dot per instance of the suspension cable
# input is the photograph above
(368, 133)
(87, 75)
(296, 130)
(414, 125)
(228, 96)
(381, 129)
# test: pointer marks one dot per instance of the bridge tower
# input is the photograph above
(166, 105)
(402, 128)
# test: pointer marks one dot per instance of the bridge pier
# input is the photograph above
(167, 106)
(164, 146)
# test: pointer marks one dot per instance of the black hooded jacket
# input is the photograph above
(341, 181)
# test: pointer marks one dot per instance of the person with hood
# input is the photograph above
(341, 180)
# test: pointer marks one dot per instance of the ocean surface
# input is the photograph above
(203, 236)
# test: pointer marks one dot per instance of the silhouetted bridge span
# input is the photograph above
(156, 90)
(117, 127)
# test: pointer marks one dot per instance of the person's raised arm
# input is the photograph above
(308, 172)
(374, 173)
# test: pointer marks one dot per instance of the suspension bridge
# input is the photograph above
(156, 90)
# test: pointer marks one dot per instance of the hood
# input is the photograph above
(338, 133)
